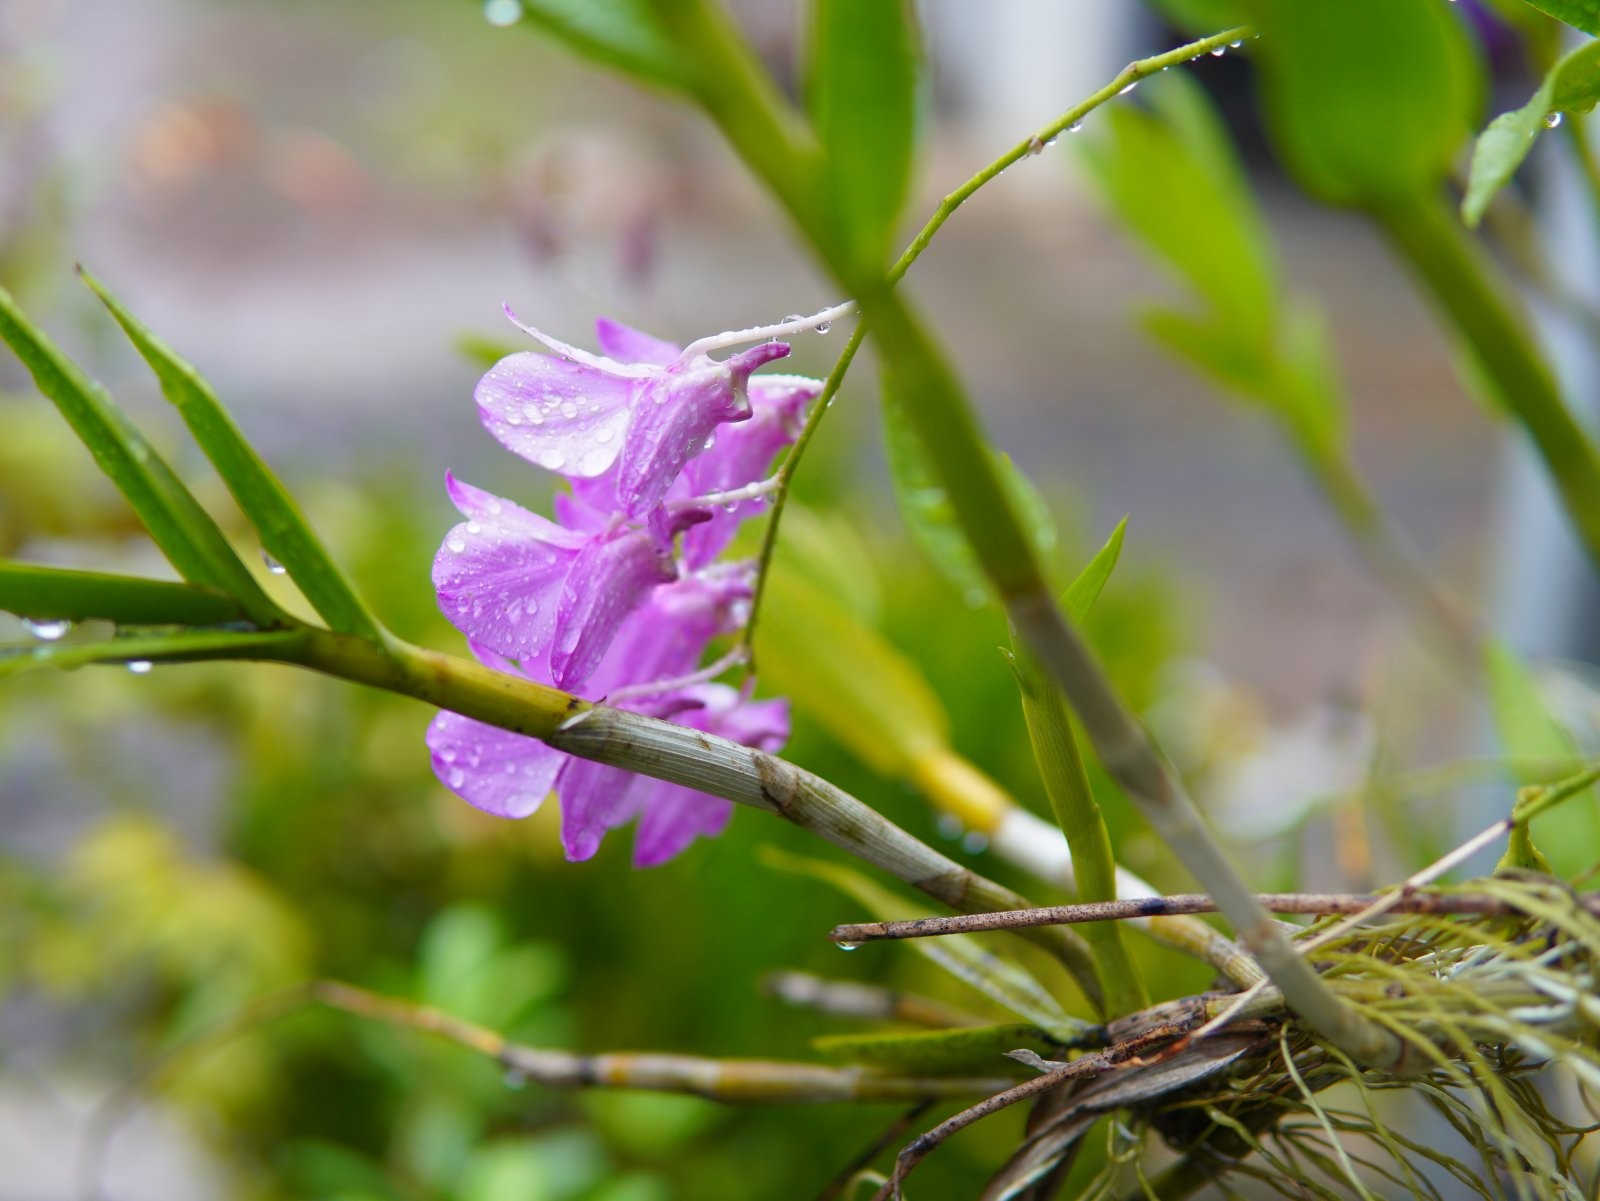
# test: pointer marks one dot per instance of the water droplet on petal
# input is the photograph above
(139, 667)
(569, 410)
(1551, 120)
(457, 777)
(552, 459)
(474, 528)
(603, 436)
(457, 545)
(275, 567)
(47, 631)
(447, 755)
(501, 13)
(711, 440)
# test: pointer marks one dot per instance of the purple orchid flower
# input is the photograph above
(509, 774)
(582, 414)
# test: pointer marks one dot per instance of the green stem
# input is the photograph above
(1427, 235)
(1093, 864)
(1577, 132)
(759, 129)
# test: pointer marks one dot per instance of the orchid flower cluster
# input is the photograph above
(620, 596)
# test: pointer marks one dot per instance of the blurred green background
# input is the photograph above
(315, 204)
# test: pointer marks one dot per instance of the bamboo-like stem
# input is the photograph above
(1429, 238)
(1029, 146)
(1319, 903)
(666, 751)
(736, 1081)
(852, 999)
(760, 127)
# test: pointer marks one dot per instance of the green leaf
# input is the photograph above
(1201, 17)
(1572, 86)
(930, 517)
(179, 647)
(1367, 100)
(863, 99)
(1531, 735)
(1216, 239)
(845, 675)
(625, 34)
(937, 1052)
(1082, 593)
(30, 590)
(1001, 980)
(183, 530)
(1580, 14)
(284, 532)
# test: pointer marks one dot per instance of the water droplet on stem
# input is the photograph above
(46, 630)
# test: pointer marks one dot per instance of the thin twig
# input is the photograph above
(1184, 903)
(1029, 146)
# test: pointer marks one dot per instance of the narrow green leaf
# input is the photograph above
(937, 1052)
(180, 646)
(1530, 734)
(58, 593)
(1082, 593)
(625, 34)
(845, 675)
(1580, 14)
(1066, 783)
(926, 508)
(183, 530)
(1202, 17)
(1216, 239)
(1571, 86)
(1367, 100)
(1000, 979)
(285, 534)
(863, 101)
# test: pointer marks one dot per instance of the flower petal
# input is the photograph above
(674, 418)
(564, 416)
(666, 637)
(610, 578)
(594, 798)
(671, 817)
(628, 345)
(502, 773)
(499, 574)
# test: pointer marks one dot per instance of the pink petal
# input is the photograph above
(671, 817)
(666, 637)
(501, 773)
(594, 798)
(628, 345)
(674, 418)
(610, 578)
(564, 416)
(499, 574)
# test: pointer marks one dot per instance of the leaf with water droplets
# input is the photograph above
(140, 651)
(1571, 86)
(183, 530)
(285, 534)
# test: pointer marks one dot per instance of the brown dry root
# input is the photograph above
(1498, 1013)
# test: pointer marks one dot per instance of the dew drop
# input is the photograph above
(794, 317)
(515, 1078)
(1129, 88)
(501, 13)
(569, 410)
(1075, 126)
(496, 508)
(447, 755)
(513, 420)
(824, 326)
(975, 843)
(139, 667)
(46, 631)
(1551, 120)
(474, 528)
(457, 777)
(949, 826)
(603, 435)
(457, 545)
(552, 459)
(847, 946)
(1218, 51)
(1236, 45)
(275, 567)
(1035, 145)
(711, 440)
